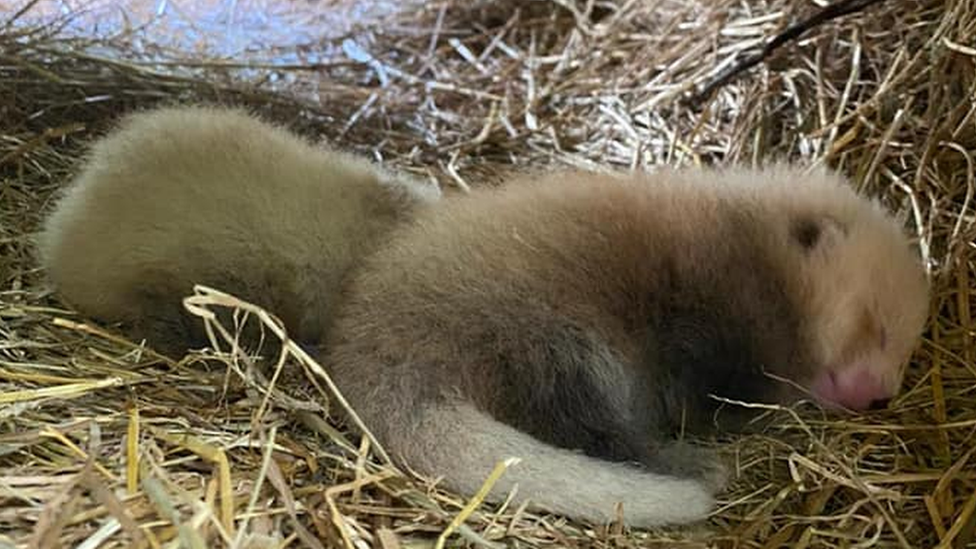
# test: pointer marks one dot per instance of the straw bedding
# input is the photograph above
(104, 443)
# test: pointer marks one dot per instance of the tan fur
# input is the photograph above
(573, 320)
(417, 343)
(462, 445)
(866, 280)
(184, 196)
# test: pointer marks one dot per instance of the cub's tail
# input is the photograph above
(462, 445)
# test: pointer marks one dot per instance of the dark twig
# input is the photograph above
(24, 9)
(833, 11)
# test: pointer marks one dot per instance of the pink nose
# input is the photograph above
(853, 388)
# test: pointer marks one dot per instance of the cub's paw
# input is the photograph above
(680, 459)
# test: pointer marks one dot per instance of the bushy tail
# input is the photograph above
(462, 445)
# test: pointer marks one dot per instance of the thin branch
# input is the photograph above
(833, 11)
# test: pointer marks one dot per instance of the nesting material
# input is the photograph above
(107, 443)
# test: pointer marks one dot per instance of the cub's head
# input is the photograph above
(860, 289)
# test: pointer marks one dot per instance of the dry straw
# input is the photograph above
(107, 444)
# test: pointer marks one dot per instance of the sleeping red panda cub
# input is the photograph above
(580, 321)
(180, 196)
(577, 321)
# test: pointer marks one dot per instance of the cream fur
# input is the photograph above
(545, 271)
(503, 272)
(463, 445)
(180, 196)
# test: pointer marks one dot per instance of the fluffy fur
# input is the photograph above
(580, 321)
(182, 196)
(577, 321)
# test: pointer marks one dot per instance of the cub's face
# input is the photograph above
(865, 298)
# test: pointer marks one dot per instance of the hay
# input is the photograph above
(107, 444)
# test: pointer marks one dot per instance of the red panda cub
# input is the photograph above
(579, 322)
(194, 195)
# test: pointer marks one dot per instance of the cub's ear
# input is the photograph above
(811, 232)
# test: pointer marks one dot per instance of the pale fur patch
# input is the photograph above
(181, 196)
(463, 445)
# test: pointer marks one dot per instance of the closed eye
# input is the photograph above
(806, 232)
